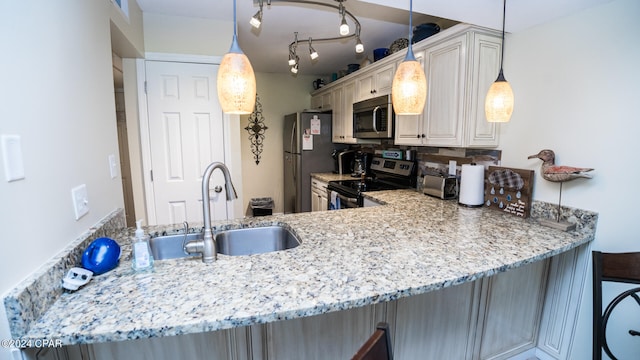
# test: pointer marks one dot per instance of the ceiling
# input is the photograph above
(383, 21)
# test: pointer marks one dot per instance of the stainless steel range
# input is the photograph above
(384, 174)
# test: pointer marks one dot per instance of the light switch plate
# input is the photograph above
(113, 166)
(80, 200)
(12, 157)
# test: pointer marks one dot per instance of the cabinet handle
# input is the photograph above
(418, 136)
(424, 136)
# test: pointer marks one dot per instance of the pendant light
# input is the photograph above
(409, 87)
(236, 80)
(498, 105)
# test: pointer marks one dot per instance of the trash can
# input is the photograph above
(262, 206)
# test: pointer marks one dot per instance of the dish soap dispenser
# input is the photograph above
(142, 258)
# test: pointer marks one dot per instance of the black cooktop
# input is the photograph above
(367, 185)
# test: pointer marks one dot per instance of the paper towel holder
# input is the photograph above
(464, 190)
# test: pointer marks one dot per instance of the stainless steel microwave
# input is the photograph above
(373, 118)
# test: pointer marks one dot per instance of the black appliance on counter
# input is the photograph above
(343, 161)
(386, 174)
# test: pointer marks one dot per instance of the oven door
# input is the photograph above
(343, 201)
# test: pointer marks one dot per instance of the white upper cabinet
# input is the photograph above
(484, 71)
(446, 73)
(343, 118)
(322, 101)
(460, 63)
(374, 81)
(459, 71)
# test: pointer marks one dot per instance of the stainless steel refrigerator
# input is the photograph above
(307, 149)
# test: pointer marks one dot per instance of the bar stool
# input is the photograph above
(615, 267)
(377, 347)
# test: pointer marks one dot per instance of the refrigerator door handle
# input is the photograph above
(293, 137)
(295, 169)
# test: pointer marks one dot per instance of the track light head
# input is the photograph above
(312, 52)
(359, 45)
(256, 20)
(344, 27)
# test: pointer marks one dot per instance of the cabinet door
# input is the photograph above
(366, 85)
(327, 100)
(512, 308)
(375, 82)
(384, 80)
(446, 80)
(337, 120)
(438, 324)
(316, 102)
(409, 128)
(347, 112)
(485, 68)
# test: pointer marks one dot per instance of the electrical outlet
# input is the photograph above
(113, 166)
(80, 200)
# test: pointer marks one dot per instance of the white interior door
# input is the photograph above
(186, 132)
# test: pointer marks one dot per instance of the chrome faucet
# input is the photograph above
(207, 246)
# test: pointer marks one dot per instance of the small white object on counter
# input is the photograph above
(75, 278)
(142, 258)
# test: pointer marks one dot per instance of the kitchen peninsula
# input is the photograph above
(367, 261)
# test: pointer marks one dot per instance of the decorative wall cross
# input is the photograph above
(256, 129)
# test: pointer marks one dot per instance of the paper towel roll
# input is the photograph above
(472, 185)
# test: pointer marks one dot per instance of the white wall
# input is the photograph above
(576, 84)
(185, 35)
(266, 178)
(57, 94)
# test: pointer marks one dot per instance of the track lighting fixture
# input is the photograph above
(344, 29)
(312, 52)
(256, 20)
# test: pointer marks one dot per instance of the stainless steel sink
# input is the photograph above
(234, 242)
(256, 240)
(170, 246)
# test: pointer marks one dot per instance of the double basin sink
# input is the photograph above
(234, 242)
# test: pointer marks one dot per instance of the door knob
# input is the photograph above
(217, 189)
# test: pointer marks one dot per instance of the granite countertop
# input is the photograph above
(348, 258)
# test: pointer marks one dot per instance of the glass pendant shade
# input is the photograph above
(236, 83)
(236, 80)
(498, 105)
(409, 88)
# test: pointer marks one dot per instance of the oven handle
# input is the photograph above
(375, 111)
(345, 202)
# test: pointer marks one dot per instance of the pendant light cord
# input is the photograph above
(504, 12)
(235, 25)
(410, 21)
